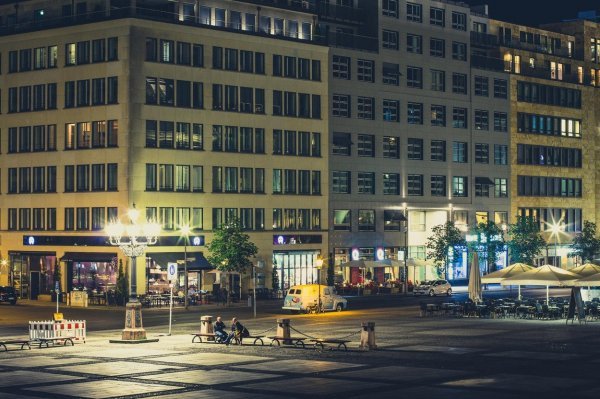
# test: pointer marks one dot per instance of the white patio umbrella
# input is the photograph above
(547, 275)
(589, 281)
(475, 280)
(586, 269)
(510, 271)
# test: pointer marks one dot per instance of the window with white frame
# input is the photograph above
(459, 51)
(481, 119)
(365, 70)
(415, 149)
(500, 122)
(390, 73)
(438, 115)
(500, 187)
(391, 147)
(438, 80)
(459, 20)
(459, 83)
(414, 185)
(366, 108)
(500, 154)
(459, 186)
(414, 113)
(437, 47)
(391, 110)
(389, 39)
(437, 16)
(414, 12)
(438, 150)
(340, 67)
(482, 153)
(414, 43)
(391, 184)
(389, 8)
(366, 182)
(341, 182)
(459, 118)
(459, 152)
(438, 185)
(341, 105)
(481, 86)
(414, 77)
(366, 145)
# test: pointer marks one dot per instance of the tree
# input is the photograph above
(585, 244)
(275, 278)
(122, 288)
(330, 274)
(489, 242)
(525, 242)
(231, 249)
(443, 237)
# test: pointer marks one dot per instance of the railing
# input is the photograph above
(307, 6)
(348, 40)
(334, 12)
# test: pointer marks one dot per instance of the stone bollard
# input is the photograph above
(367, 336)
(206, 326)
(283, 330)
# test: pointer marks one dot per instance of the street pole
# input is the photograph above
(406, 252)
(254, 288)
(185, 274)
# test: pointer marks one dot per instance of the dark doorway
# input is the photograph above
(35, 285)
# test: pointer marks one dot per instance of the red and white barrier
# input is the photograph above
(75, 329)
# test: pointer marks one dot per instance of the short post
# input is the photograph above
(206, 326)
(367, 335)
(283, 330)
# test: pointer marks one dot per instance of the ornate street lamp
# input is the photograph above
(133, 239)
(319, 265)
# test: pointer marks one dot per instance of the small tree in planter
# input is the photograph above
(122, 288)
(525, 242)
(231, 250)
(275, 279)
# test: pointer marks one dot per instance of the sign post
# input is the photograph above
(172, 277)
(57, 290)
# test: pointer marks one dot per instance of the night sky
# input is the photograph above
(535, 12)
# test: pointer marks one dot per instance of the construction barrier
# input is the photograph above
(74, 329)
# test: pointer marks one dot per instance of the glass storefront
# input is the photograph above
(94, 276)
(296, 267)
(31, 273)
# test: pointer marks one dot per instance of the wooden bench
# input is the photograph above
(210, 337)
(258, 339)
(23, 342)
(319, 343)
(47, 341)
(296, 341)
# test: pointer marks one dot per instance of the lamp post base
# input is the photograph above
(134, 332)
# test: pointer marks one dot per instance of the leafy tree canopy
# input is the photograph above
(586, 244)
(231, 248)
(525, 242)
(490, 240)
(443, 237)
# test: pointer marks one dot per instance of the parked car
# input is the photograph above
(305, 298)
(433, 288)
(8, 294)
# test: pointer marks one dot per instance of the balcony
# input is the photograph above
(348, 40)
(307, 6)
(344, 14)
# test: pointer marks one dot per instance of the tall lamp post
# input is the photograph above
(404, 219)
(319, 265)
(185, 231)
(133, 239)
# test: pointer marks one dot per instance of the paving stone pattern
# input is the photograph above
(486, 361)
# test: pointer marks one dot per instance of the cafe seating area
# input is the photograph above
(510, 308)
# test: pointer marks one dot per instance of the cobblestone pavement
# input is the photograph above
(417, 358)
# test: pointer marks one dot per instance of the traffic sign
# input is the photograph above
(172, 271)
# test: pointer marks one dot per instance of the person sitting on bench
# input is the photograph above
(220, 334)
(237, 331)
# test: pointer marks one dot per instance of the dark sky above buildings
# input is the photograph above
(536, 12)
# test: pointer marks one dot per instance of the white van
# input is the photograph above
(304, 298)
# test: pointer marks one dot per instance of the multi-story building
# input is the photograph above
(333, 130)
(552, 125)
(417, 134)
(194, 114)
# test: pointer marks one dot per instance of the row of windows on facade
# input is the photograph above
(571, 219)
(414, 13)
(231, 59)
(341, 183)
(78, 135)
(81, 93)
(544, 186)
(365, 109)
(166, 134)
(390, 40)
(186, 178)
(366, 147)
(537, 93)
(540, 155)
(550, 70)
(248, 22)
(168, 92)
(390, 75)
(80, 53)
(548, 125)
(391, 220)
(80, 178)
(95, 218)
